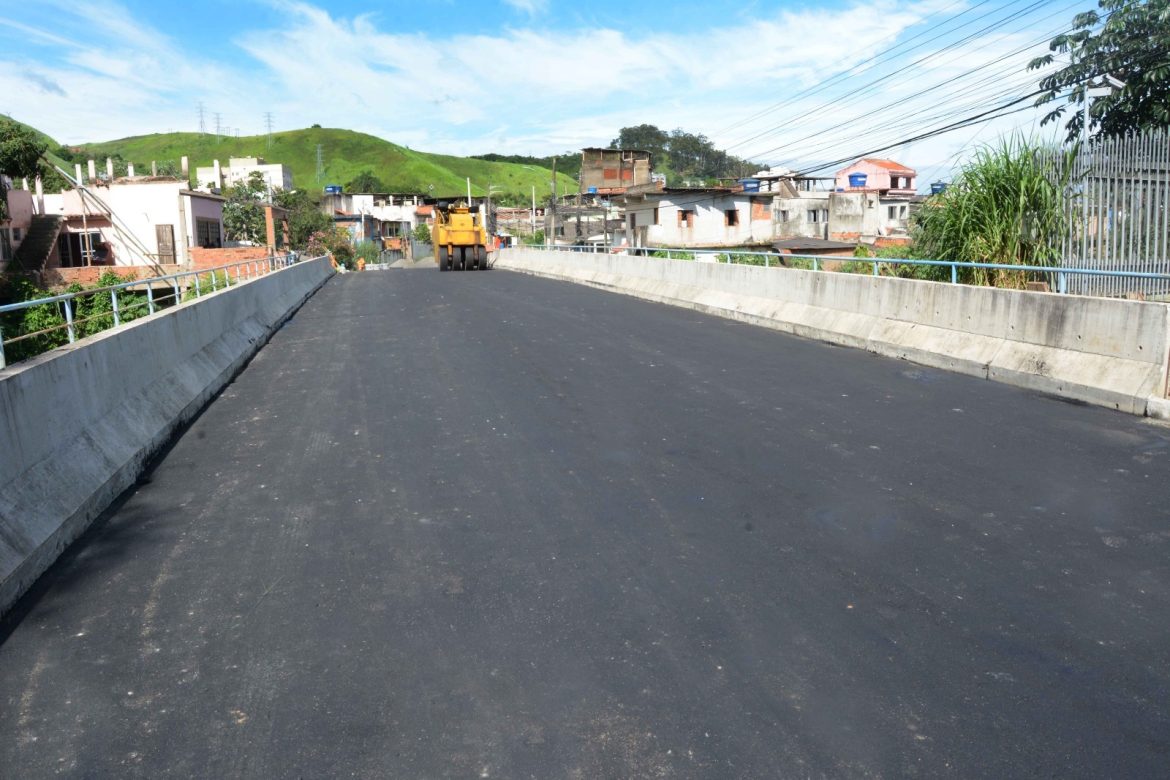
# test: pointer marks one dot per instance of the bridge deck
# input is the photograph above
(494, 526)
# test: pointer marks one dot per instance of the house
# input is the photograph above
(698, 217)
(870, 203)
(140, 221)
(885, 177)
(888, 187)
(613, 171)
(239, 169)
(17, 221)
(372, 216)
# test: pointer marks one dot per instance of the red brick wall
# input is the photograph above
(212, 258)
(54, 278)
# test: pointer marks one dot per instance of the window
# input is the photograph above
(731, 217)
(633, 221)
(15, 234)
(656, 222)
(904, 211)
(784, 215)
(686, 218)
(818, 215)
(891, 212)
(5, 246)
(207, 233)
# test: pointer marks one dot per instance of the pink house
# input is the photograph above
(14, 229)
(884, 177)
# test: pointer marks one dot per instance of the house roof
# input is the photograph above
(889, 165)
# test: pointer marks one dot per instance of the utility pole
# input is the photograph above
(534, 209)
(320, 162)
(552, 237)
(202, 124)
(268, 127)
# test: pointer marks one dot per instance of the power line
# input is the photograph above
(953, 81)
(854, 70)
(906, 71)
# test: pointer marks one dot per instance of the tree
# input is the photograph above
(243, 216)
(1133, 46)
(20, 156)
(304, 216)
(366, 181)
(422, 233)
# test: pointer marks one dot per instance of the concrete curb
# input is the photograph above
(1099, 351)
(116, 400)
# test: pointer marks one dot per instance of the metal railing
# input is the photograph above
(1057, 276)
(80, 317)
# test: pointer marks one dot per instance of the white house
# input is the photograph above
(133, 222)
(239, 169)
(706, 217)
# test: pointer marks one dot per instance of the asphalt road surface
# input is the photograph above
(489, 525)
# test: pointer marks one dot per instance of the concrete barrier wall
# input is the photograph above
(78, 424)
(1102, 351)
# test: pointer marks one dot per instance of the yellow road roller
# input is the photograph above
(460, 241)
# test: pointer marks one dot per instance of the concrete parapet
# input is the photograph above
(1103, 351)
(79, 423)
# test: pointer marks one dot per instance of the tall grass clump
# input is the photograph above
(1005, 206)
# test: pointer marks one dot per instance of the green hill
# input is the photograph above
(345, 154)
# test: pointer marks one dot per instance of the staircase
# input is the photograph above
(38, 244)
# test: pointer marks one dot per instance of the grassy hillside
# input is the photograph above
(346, 154)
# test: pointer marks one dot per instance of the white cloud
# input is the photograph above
(515, 90)
(530, 7)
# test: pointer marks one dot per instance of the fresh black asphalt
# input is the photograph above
(490, 525)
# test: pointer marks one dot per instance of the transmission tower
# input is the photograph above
(202, 123)
(320, 162)
(268, 126)
(218, 118)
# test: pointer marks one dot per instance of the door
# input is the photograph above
(165, 234)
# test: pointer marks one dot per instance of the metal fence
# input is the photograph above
(1118, 212)
(1059, 278)
(63, 319)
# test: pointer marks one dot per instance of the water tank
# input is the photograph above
(938, 187)
(857, 179)
(592, 190)
(750, 185)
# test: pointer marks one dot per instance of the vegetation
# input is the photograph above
(20, 156)
(368, 251)
(347, 155)
(366, 181)
(1005, 206)
(333, 240)
(422, 233)
(1127, 40)
(44, 326)
(304, 216)
(680, 154)
(243, 214)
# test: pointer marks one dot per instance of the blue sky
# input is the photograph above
(786, 83)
